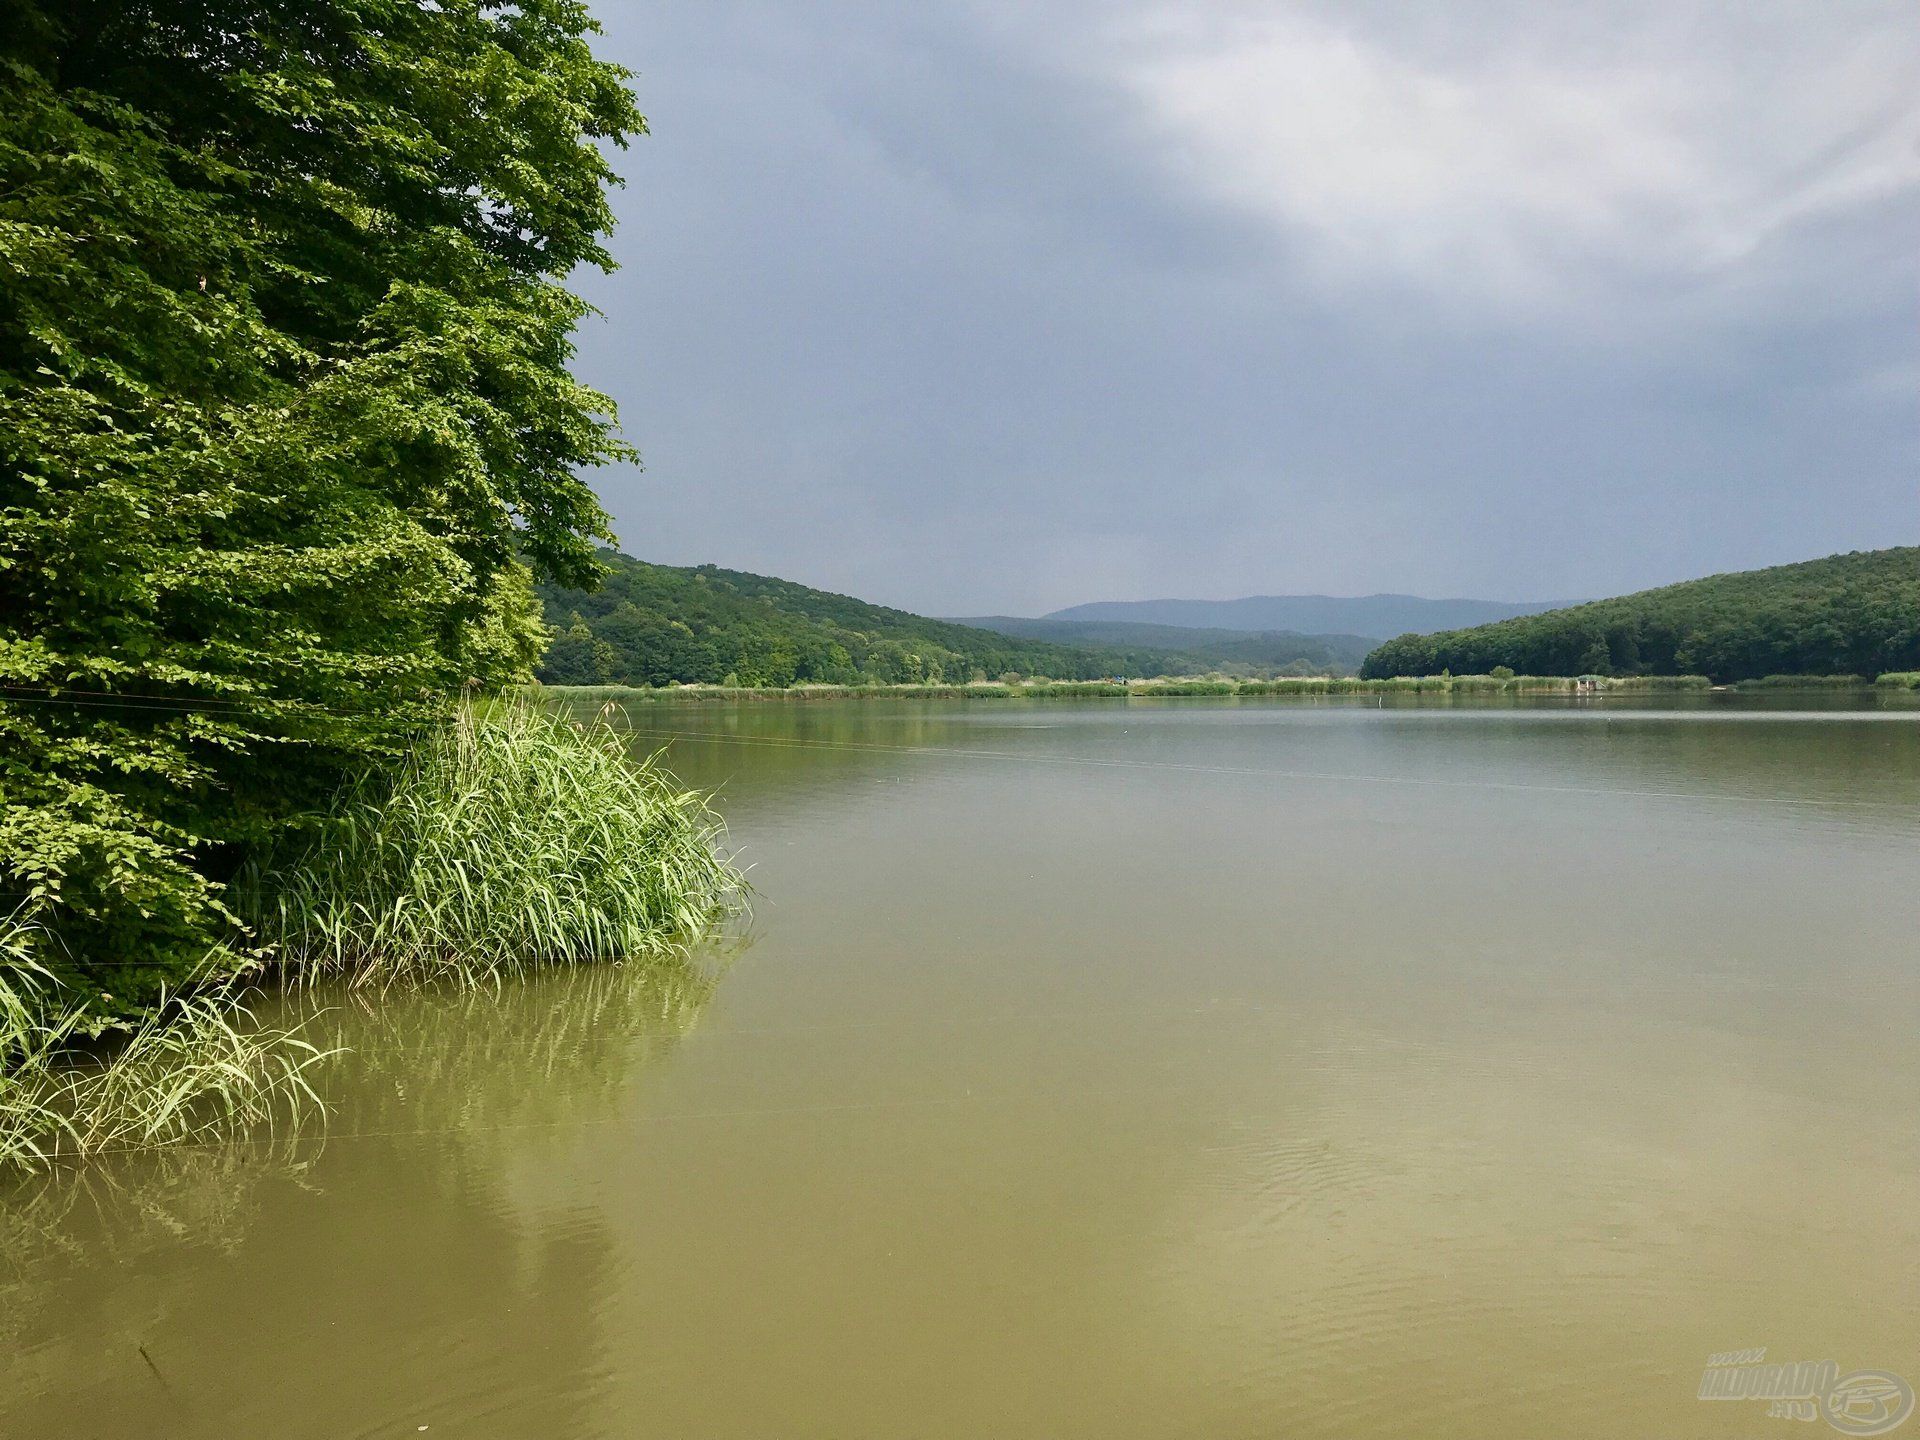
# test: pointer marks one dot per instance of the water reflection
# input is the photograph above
(557, 1046)
(129, 1286)
(1808, 750)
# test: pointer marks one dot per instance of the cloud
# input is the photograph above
(1000, 305)
(1543, 164)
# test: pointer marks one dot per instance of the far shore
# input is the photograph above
(1171, 687)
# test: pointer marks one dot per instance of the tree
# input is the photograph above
(571, 657)
(283, 354)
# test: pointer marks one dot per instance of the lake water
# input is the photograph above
(1096, 1069)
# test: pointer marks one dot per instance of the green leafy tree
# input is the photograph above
(571, 657)
(284, 339)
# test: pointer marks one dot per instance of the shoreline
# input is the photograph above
(1175, 688)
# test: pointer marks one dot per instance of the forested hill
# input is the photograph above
(652, 624)
(1206, 648)
(1853, 614)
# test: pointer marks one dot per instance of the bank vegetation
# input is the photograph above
(290, 438)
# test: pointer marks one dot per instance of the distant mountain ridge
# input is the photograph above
(1375, 617)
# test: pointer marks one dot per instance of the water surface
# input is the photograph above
(1101, 1069)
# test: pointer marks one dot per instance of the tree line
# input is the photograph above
(1852, 614)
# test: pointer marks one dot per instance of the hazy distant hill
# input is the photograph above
(1374, 616)
(1854, 614)
(1209, 648)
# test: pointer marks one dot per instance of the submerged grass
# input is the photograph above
(196, 1066)
(511, 837)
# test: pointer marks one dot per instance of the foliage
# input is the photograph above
(509, 838)
(1263, 652)
(1857, 613)
(283, 348)
(660, 624)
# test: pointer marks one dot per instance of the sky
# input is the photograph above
(997, 306)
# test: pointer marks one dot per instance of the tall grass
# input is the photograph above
(195, 1067)
(1803, 682)
(1899, 680)
(509, 838)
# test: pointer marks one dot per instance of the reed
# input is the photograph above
(1152, 688)
(1074, 689)
(1660, 682)
(1899, 680)
(509, 838)
(194, 1067)
(1803, 682)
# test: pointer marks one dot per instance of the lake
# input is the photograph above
(1095, 1069)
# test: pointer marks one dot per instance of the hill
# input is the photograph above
(1206, 649)
(1373, 616)
(652, 624)
(1855, 614)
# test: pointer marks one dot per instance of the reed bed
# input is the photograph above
(1899, 680)
(1804, 682)
(511, 837)
(197, 1066)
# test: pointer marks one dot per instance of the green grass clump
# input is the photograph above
(194, 1067)
(1900, 680)
(509, 838)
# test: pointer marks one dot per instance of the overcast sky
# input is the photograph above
(977, 306)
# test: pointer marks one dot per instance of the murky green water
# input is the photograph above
(1097, 1070)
